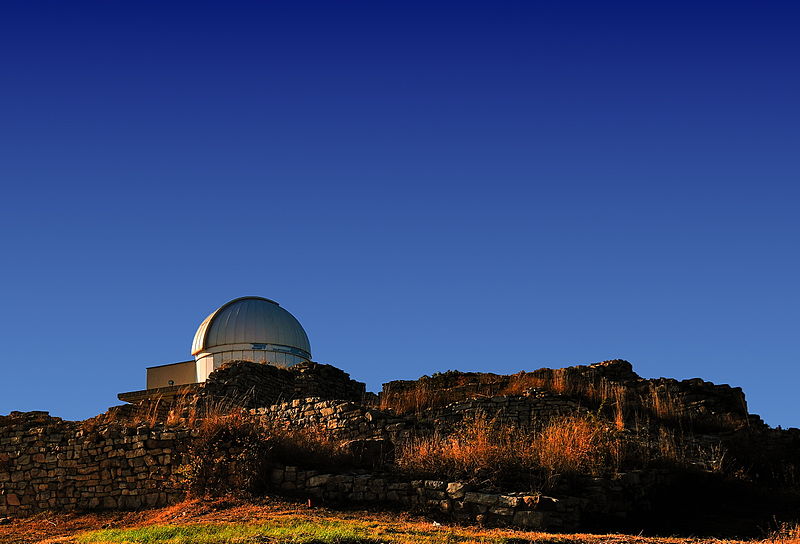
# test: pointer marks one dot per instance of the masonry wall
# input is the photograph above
(253, 385)
(47, 464)
(353, 421)
(695, 399)
(531, 410)
(50, 464)
(612, 500)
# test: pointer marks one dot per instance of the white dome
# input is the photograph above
(249, 329)
(251, 320)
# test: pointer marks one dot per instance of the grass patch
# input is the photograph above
(295, 531)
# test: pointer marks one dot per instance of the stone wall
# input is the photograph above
(612, 500)
(531, 410)
(695, 400)
(115, 461)
(343, 419)
(253, 385)
(354, 421)
(47, 463)
(50, 464)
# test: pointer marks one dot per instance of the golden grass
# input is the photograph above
(786, 533)
(231, 453)
(578, 444)
(229, 515)
(326, 528)
(627, 407)
(481, 448)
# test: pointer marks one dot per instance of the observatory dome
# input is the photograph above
(250, 329)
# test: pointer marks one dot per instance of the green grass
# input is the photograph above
(289, 530)
(293, 531)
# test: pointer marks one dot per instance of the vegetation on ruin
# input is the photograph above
(482, 450)
(232, 453)
(617, 400)
(554, 432)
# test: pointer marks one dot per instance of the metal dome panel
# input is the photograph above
(250, 320)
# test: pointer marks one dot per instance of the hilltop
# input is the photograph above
(592, 447)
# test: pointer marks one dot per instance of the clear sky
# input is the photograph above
(494, 186)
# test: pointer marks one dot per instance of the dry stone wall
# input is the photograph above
(253, 385)
(343, 419)
(47, 463)
(695, 399)
(50, 464)
(531, 410)
(353, 421)
(609, 499)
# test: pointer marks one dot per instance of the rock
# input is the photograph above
(316, 481)
(529, 519)
(500, 511)
(456, 490)
(509, 501)
(485, 499)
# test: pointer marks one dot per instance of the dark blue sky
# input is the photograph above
(492, 186)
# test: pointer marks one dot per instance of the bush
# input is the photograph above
(234, 453)
(578, 445)
(228, 455)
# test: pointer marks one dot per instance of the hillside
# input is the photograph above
(592, 447)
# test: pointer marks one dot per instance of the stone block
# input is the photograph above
(501, 511)
(456, 490)
(321, 480)
(508, 501)
(435, 484)
(486, 499)
(529, 519)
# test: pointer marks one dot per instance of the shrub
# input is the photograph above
(234, 453)
(478, 449)
(578, 444)
(229, 454)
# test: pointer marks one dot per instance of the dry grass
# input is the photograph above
(477, 449)
(628, 407)
(579, 444)
(786, 533)
(442, 389)
(185, 409)
(481, 449)
(233, 453)
(226, 514)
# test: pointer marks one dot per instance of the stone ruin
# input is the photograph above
(121, 460)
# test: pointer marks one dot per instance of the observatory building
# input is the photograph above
(245, 329)
(249, 329)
